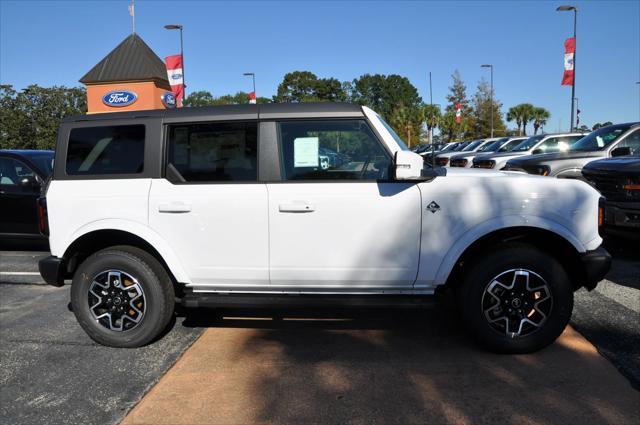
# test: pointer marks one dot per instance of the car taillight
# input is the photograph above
(43, 219)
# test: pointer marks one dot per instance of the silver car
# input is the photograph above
(504, 144)
(442, 159)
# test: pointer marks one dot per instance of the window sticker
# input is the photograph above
(305, 152)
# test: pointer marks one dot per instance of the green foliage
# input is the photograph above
(540, 117)
(29, 119)
(204, 98)
(482, 105)
(521, 114)
(453, 131)
(305, 86)
(600, 125)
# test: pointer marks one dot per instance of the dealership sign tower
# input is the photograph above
(130, 78)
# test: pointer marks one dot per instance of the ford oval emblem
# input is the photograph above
(176, 76)
(119, 98)
(168, 100)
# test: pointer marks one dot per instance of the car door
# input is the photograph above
(19, 190)
(343, 227)
(211, 209)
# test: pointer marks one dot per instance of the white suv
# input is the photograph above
(234, 205)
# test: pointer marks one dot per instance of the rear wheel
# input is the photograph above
(516, 299)
(122, 297)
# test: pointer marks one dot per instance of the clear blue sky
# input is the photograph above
(56, 42)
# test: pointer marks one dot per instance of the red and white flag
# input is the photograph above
(174, 74)
(458, 113)
(252, 97)
(569, 54)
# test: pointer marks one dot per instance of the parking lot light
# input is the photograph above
(490, 94)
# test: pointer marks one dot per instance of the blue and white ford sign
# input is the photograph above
(168, 100)
(119, 98)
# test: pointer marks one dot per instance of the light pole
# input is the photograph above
(490, 93)
(253, 77)
(573, 86)
(179, 27)
(577, 112)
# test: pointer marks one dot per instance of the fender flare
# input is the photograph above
(485, 228)
(140, 230)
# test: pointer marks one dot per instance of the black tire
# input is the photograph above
(152, 278)
(472, 299)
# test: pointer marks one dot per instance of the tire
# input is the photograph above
(526, 320)
(122, 297)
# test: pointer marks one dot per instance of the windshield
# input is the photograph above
(528, 144)
(449, 147)
(493, 146)
(395, 136)
(600, 138)
(471, 146)
(461, 146)
(510, 145)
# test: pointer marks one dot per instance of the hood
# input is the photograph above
(501, 155)
(556, 156)
(469, 155)
(621, 164)
(450, 154)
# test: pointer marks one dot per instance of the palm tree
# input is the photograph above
(540, 117)
(521, 114)
(430, 115)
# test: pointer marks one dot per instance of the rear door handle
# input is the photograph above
(174, 207)
(297, 207)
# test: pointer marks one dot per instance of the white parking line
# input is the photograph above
(19, 274)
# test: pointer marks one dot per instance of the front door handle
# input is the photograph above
(296, 207)
(174, 207)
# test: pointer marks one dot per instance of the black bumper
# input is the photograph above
(596, 264)
(52, 270)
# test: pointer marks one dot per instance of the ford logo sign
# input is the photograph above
(119, 98)
(176, 76)
(168, 100)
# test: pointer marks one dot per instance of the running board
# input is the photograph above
(197, 300)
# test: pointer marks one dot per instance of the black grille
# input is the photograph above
(611, 187)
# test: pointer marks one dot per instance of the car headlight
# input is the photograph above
(459, 162)
(541, 170)
(442, 161)
(488, 164)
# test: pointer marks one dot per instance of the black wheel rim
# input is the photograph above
(517, 303)
(116, 300)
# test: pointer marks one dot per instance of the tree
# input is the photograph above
(455, 131)
(482, 112)
(599, 125)
(297, 86)
(199, 98)
(204, 98)
(521, 114)
(430, 115)
(30, 119)
(540, 117)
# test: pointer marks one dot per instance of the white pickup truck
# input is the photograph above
(233, 205)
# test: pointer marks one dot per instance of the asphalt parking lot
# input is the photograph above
(294, 367)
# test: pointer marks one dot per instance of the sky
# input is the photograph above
(57, 42)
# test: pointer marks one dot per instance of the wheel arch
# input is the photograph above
(562, 249)
(95, 240)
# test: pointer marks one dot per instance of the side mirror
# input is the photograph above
(30, 182)
(408, 165)
(621, 151)
(537, 151)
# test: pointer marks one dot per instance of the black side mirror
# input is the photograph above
(29, 181)
(537, 151)
(621, 151)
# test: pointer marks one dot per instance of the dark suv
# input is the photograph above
(618, 180)
(22, 174)
(606, 142)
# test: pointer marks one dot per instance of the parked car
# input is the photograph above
(532, 146)
(618, 180)
(22, 174)
(504, 144)
(429, 154)
(442, 159)
(144, 208)
(612, 140)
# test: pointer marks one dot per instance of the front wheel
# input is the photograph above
(122, 297)
(516, 299)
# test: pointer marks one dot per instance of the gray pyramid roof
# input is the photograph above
(131, 60)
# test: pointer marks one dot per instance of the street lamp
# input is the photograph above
(253, 77)
(179, 27)
(490, 93)
(573, 86)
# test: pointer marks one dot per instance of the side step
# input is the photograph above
(253, 301)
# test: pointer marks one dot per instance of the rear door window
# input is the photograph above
(106, 150)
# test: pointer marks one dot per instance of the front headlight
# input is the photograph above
(541, 170)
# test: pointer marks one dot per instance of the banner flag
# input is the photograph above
(252, 97)
(569, 54)
(174, 74)
(458, 113)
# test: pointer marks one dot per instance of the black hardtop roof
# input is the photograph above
(246, 111)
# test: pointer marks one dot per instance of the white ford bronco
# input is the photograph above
(321, 204)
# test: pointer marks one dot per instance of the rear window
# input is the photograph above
(106, 150)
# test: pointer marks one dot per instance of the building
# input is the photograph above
(132, 77)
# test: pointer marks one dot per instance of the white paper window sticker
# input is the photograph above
(305, 152)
